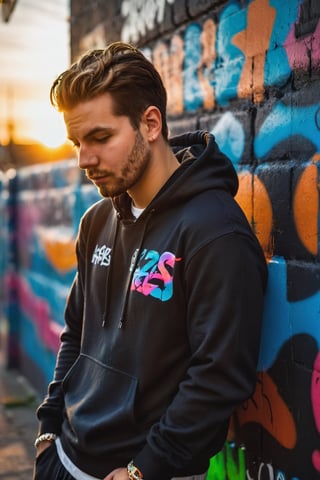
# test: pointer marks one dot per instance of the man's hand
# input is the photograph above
(118, 474)
(43, 446)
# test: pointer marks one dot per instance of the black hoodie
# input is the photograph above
(162, 324)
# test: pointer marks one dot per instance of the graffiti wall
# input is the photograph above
(249, 72)
(45, 204)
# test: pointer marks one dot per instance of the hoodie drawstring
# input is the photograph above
(133, 265)
(115, 229)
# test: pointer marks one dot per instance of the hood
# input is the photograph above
(203, 167)
(206, 167)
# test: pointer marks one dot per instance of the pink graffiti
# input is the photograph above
(38, 310)
(299, 50)
(315, 400)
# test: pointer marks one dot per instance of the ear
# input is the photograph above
(152, 121)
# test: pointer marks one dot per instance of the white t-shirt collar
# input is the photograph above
(136, 212)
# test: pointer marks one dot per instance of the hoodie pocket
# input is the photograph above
(99, 404)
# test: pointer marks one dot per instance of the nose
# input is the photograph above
(86, 158)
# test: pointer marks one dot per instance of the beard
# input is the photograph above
(133, 170)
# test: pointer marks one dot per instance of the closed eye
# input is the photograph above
(101, 139)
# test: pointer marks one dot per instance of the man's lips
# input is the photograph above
(98, 179)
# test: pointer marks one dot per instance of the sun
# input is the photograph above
(48, 126)
(53, 138)
(39, 122)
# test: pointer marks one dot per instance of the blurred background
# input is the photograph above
(34, 49)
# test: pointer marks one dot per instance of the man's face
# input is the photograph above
(113, 154)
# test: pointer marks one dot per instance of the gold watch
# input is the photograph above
(134, 472)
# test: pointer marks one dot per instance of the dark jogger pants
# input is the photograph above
(48, 466)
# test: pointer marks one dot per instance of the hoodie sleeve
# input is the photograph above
(225, 285)
(50, 412)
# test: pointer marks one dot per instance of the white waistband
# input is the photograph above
(70, 466)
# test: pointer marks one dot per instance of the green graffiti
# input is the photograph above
(224, 465)
(217, 469)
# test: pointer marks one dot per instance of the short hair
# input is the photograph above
(120, 70)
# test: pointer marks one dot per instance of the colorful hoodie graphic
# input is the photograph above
(162, 324)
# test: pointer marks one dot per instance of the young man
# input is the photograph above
(163, 319)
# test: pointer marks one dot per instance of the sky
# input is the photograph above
(34, 49)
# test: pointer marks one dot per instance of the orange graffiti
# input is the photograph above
(169, 64)
(60, 252)
(175, 87)
(267, 408)
(254, 42)
(306, 207)
(208, 41)
(254, 200)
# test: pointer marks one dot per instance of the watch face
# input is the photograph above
(7, 8)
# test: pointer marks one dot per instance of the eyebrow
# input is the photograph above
(94, 131)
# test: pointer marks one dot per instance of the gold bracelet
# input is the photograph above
(134, 472)
(49, 437)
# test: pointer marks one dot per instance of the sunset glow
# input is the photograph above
(34, 50)
(45, 125)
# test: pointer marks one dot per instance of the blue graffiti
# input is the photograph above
(289, 121)
(193, 96)
(3, 239)
(283, 319)
(54, 292)
(230, 137)
(34, 348)
(277, 69)
(230, 59)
